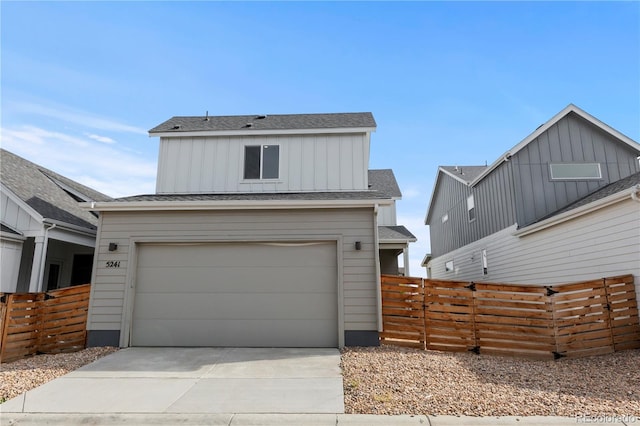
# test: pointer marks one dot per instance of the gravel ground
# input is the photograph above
(22, 375)
(393, 380)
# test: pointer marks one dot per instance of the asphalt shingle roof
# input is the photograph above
(384, 180)
(605, 191)
(395, 233)
(37, 187)
(266, 122)
(466, 173)
(260, 196)
(382, 185)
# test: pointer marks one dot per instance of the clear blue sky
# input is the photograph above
(449, 83)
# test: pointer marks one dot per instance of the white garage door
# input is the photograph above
(248, 294)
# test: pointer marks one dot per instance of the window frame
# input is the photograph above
(553, 178)
(471, 208)
(447, 268)
(485, 262)
(261, 165)
(445, 218)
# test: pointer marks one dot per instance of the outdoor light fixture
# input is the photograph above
(358, 245)
(113, 246)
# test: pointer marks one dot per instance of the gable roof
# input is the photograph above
(384, 181)
(474, 174)
(257, 122)
(571, 108)
(50, 194)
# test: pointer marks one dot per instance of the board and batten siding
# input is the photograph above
(109, 289)
(603, 243)
(571, 140)
(17, 218)
(493, 199)
(315, 162)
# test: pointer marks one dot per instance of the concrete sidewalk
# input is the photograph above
(30, 419)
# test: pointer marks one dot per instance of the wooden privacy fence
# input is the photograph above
(579, 319)
(49, 322)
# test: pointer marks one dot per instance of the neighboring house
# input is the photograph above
(560, 206)
(47, 239)
(264, 231)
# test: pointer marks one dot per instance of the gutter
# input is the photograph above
(633, 193)
(69, 227)
(230, 205)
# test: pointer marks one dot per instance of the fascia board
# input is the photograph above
(574, 213)
(23, 205)
(569, 108)
(231, 205)
(255, 132)
(70, 227)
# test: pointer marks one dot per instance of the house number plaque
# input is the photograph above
(113, 263)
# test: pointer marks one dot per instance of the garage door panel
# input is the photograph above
(254, 306)
(234, 255)
(273, 279)
(236, 295)
(247, 333)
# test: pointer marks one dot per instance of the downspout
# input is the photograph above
(43, 258)
(635, 193)
(376, 248)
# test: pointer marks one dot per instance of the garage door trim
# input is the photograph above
(135, 242)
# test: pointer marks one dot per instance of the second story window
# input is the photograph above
(575, 171)
(471, 208)
(261, 162)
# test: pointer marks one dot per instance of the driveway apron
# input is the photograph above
(195, 380)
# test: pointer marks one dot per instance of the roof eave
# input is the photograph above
(633, 192)
(256, 132)
(232, 205)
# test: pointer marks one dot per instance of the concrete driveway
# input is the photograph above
(195, 380)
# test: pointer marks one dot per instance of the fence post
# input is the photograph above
(6, 303)
(474, 327)
(605, 284)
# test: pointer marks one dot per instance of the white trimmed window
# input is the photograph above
(485, 263)
(445, 217)
(575, 171)
(448, 266)
(261, 161)
(471, 208)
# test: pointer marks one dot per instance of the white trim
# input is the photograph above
(540, 130)
(259, 132)
(376, 256)
(577, 212)
(8, 236)
(231, 205)
(24, 206)
(453, 175)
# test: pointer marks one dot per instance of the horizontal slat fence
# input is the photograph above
(49, 322)
(578, 319)
(402, 311)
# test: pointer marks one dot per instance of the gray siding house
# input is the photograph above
(560, 206)
(263, 231)
(47, 238)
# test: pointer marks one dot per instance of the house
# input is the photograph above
(263, 231)
(560, 206)
(47, 239)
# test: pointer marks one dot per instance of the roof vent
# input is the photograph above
(176, 127)
(248, 125)
(206, 117)
(261, 117)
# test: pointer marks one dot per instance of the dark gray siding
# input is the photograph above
(493, 199)
(521, 190)
(571, 139)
